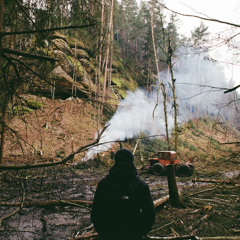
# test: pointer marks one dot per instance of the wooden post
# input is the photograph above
(174, 197)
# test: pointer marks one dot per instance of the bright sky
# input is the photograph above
(228, 11)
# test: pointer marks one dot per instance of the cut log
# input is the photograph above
(89, 235)
(161, 201)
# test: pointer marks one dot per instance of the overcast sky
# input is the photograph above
(228, 11)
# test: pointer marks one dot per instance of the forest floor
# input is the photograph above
(212, 209)
(61, 127)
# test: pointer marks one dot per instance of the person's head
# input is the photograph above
(124, 156)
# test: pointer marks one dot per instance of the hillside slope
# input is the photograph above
(60, 127)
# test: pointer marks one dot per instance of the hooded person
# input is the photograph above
(122, 207)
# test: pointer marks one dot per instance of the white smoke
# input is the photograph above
(133, 116)
(198, 87)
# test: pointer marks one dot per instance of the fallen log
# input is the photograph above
(195, 238)
(86, 236)
(160, 201)
(220, 238)
(173, 238)
(157, 203)
(215, 181)
(46, 203)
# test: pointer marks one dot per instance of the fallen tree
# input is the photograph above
(46, 203)
(92, 236)
(196, 238)
(215, 181)
(157, 203)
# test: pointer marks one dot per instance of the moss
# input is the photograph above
(118, 66)
(21, 110)
(78, 66)
(80, 53)
(33, 104)
(87, 64)
(73, 42)
(57, 35)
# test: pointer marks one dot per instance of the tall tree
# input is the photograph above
(110, 26)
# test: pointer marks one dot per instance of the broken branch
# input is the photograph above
(46, 203)
(45, 30)
(215, 181)
(29, 55)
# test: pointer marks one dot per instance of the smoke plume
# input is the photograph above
(200, 84)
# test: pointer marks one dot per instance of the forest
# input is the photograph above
(80, 80)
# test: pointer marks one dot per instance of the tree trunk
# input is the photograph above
(161, 85)
(175, 106)
(154, 47)
(100, 52)
(165, 113)
(3, 132)
(111, 58)
(2, 11)
(174, 197)
(107, 58)
(3, 110)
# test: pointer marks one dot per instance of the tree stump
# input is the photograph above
(174, 197)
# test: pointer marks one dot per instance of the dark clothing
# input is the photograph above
(122, 208)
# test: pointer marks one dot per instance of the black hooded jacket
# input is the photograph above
(122, 208)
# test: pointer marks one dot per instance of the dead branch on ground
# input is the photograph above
(47, 203)
(196, 238)
(9, 215)
(215, 181)
(206, 190)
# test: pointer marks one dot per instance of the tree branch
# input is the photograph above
(232, 89)
(202, 18)
(46, 203)
(45, 30)
(29, 55)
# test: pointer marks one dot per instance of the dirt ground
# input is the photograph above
(212, 209)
